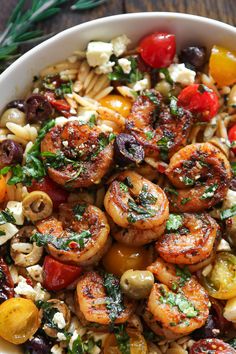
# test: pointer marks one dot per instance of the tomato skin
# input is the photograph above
(55, 192)
(118, 103)
(213, 346)
(57, 275)
(222, 66)
(6, 282)
(158, 49)
(204, 105)
(232, 137)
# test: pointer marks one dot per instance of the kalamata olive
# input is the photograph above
(209, 330)
(193, 55)
(38, 345)
(127, 150)
(6, 282)
(38, 109)
(11, 152)
(19, 104)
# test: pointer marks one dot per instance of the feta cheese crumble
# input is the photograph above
(98, 53)
(120, 44)
(59, 320)
(125, 65)
(180, 73)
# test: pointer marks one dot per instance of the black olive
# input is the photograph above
(233, 184)
(209, 330)
(127, 150)
(38, 109)
(38, 345)
(11, 152)
(193, 55)
(19, 104)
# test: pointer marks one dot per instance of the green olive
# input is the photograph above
(137, 284)
(12, 115)
(37, 205)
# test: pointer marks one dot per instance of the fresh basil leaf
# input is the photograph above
(118, 74)
(6, 217)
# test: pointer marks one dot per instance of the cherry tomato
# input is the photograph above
(220, 283)
(55, 192)
(19, 320)
(223, 66)
(138, 344)
(118, 103)
(126, 258)
(213, 346)
(57, 275)
(200, 100)
(232, 137)
(6, 282)
(158, 49)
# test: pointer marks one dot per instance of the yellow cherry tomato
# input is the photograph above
(223, 66)
(19, 320)
(137, 343)
(120, 258)
(3, 189)
(221, 281)
(118, 103)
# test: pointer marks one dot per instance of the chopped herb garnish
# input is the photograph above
(164, 144)
(79, 210)
(138, 213)
(57, 160)
(123, 187)
(114, 299)
(48, 313)
(150, 135)
(209, 192)
(62, 243)
(185, 200)
(123, 339)
(152, 97)
(145, 198)
(188, 181)
(184, 275)
(172, 191)
(174, 109)
(119, 75)
(92, 121)
(228, 213)
(5, 170)
(166, 73)
(64, 89)
(232, 342)
(111, 137)
(174, 222)
(81, 346)
(6, 216)
(203, 88)
(233, 166)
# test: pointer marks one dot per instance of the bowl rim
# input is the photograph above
(104, 20)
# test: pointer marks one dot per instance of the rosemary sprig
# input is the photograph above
(87, 4)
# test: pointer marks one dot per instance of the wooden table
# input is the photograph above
(223, 10)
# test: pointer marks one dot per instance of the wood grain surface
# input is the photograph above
(223, 10)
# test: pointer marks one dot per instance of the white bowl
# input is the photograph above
(189, 29)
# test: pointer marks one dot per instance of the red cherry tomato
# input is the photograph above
(213, 346)
(232, 136)
(56, 193)
(200, 100)
(158, 49)
(57, 275)
(6, 282)
(60, 105)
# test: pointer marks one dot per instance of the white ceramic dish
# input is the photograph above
(189, 29)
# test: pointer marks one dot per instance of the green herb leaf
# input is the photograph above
(188, 181)
(92, 121)
(150, 135)
(165, 72)
(174, 109)
(209, 192)
(123, 187)
(184, 275)
(203, 88)
(79, 210)
(139, 213)
(185, 200)
(164, 144)
(233, 166)
(114, 300)
(6, 217)
(87, 4)
(171, 191)
(64, 89)
(152, 97)
(228, 213)
(145, 198)
(123, 339)
(118, 74)
(5, 170)
(174, 222)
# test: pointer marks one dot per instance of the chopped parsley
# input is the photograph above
(114, 299)
(174, 222)
(233, 166)
(92, 121)
(138, 213)
(174, 109)
(209, 192)
(152, 97)
(5, 217)
(79, 210)
(180, 301)
(184, 275)
(123, 187)
(62, 243)
(171, 191)
(228, 213)
(145, 198)
(164, 144)
(150, 135)
(123, 339)
(188, 181)
(57, 160)
(232, 342)
(81, 346)
(34, 167)
(119, 75)
(185, 200)
(48, 313)
(166, 73)
(64, 89)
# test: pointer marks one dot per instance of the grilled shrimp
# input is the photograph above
(133, 201)
(77, 155)
(80, 236)
(201, 174)
(192, 242)
(91, 300)
(180, 304)
(159, 131)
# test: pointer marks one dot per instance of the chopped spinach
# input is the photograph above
(119, 75)
(228, 213)
(114, 299)
(123, 339)
(33, 168)
(79, 210)
(209, 192)
(62, 243)
(174, 222)
(6, 216)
